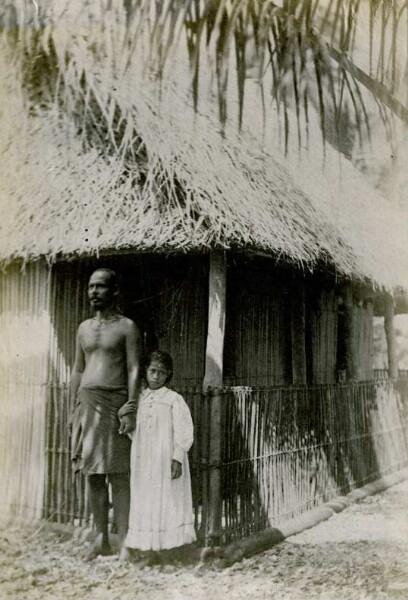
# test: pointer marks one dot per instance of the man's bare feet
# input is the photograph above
(100, 547)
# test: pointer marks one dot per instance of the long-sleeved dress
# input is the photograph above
(161, 514)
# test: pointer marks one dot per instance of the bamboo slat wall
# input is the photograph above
(167, 300)
(283, 451)
(262, 335)
(183, 312)
(363, 342)
(322, 316)
(257, 333)
(289, 449)
(259, 347)
(65, 494)
(25, 334)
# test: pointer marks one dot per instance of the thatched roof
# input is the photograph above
(190, 188)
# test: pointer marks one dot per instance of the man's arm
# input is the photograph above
(127, 412)
(78, 369)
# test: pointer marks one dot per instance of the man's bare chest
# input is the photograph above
(102, 335)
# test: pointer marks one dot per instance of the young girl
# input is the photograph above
(161, 513)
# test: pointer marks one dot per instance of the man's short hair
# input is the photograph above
(113, 278)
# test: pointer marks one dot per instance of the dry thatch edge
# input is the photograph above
(45, 211)
(224, 178)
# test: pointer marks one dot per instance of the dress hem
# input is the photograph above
(156, 540)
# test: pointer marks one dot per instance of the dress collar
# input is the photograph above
(155, 393)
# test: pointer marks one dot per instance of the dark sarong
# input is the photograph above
(96, 445)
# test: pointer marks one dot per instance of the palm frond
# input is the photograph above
(239, 34)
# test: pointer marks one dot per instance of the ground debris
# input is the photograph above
(358, 554)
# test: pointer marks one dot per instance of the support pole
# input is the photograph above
(213, 379)
(216, 321)
(298, 334)
(390, 336)
(215, 456)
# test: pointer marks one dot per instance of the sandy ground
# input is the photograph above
(359, 554)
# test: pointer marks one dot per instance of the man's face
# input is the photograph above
(100, 290)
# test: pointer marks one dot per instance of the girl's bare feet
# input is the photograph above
(124, 554)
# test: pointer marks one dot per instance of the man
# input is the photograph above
(104, 390)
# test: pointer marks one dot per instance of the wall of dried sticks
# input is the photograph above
(259, 344)
(286, 450)
(25, 333)
(167, 299)
(165, 296)
(40, 310)
(364, 340)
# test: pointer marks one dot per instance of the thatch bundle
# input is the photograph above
(101, 154)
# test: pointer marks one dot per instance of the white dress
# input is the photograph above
(161, 513)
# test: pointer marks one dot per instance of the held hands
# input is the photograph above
(176, 469)
(127, 424)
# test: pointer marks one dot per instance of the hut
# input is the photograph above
(260, 276)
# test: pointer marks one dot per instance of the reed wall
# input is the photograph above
(259, 346)
(25, 332)
(182, 314)
(65, 497)
(286, 450)
(364, 339)
(167, 299)
(283, 451)
(321, 332)
(257, 337)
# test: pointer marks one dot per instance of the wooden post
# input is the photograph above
(351, 360)
(205, 438)
(298, 334)
(216, 321)
(215, 450)
(390, 335)
(213, 379)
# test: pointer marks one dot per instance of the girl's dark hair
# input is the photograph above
(163, 358)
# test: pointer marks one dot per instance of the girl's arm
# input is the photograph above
(183, 430)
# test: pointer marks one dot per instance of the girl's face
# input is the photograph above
(156, 375)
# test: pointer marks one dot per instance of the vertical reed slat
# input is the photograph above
(313, 443)
(298, 335)
(24, 326)
(390, 336)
